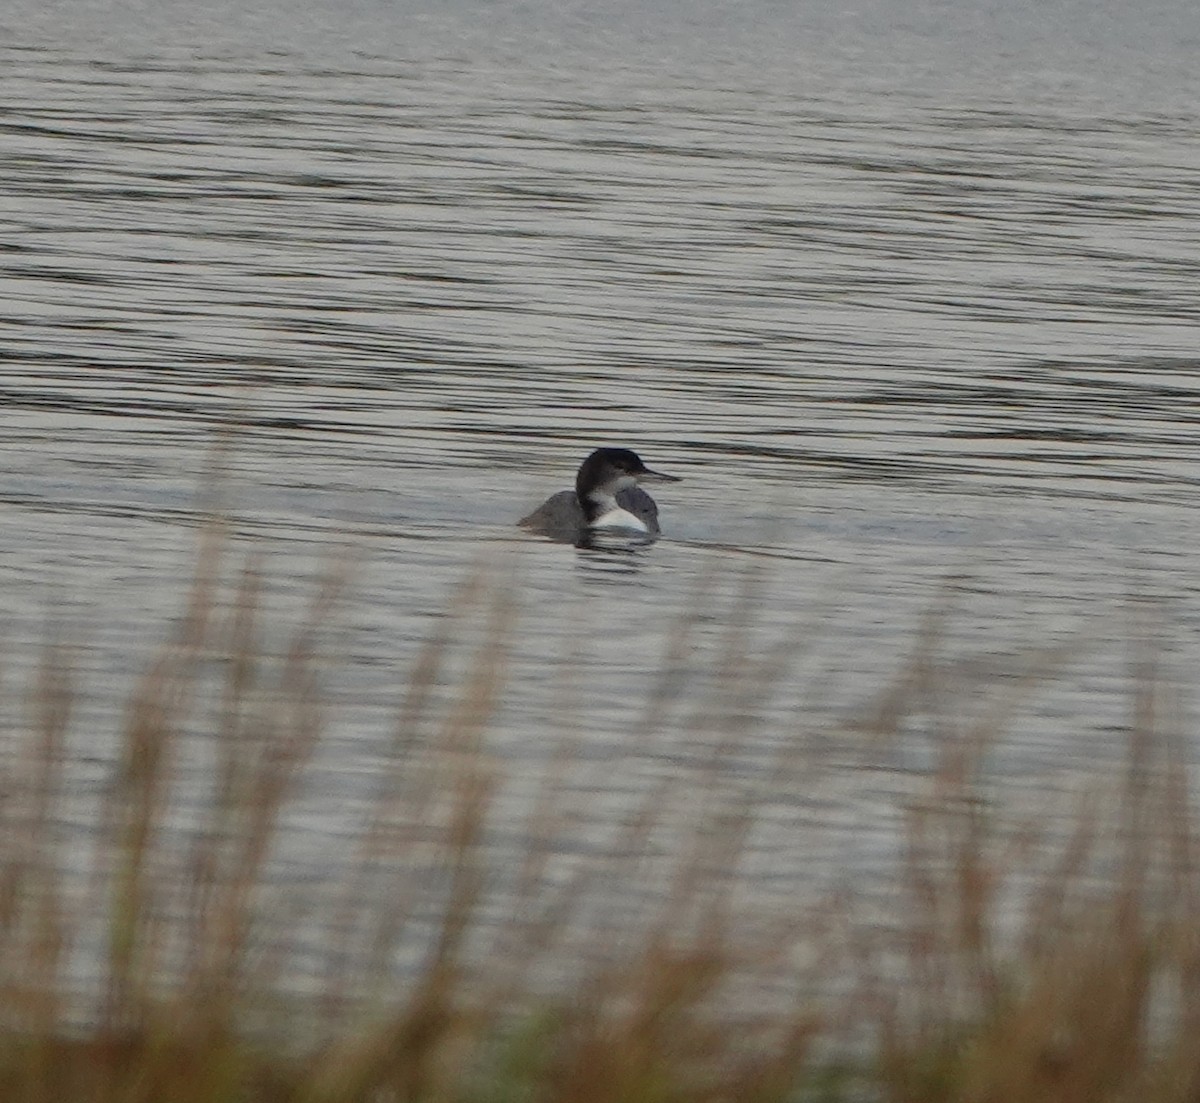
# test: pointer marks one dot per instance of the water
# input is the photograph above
(903, 292)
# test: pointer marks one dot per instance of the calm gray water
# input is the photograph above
(903, 291)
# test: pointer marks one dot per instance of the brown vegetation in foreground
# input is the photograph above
(164, 970)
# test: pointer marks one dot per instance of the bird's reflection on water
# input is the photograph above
(605, 558)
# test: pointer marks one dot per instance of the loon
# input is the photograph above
(606, 498)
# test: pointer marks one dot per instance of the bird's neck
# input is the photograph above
(603, 511)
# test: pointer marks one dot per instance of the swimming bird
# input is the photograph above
(606, 498)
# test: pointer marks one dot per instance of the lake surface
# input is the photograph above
(905, 293)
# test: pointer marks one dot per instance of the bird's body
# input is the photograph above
(563, 511)
(606, 498)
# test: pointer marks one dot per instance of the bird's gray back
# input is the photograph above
(562, 515)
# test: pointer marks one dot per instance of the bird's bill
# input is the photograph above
(648, 476)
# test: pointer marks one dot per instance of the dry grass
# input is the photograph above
(163, 964)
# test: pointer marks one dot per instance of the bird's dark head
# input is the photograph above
(606, 470)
